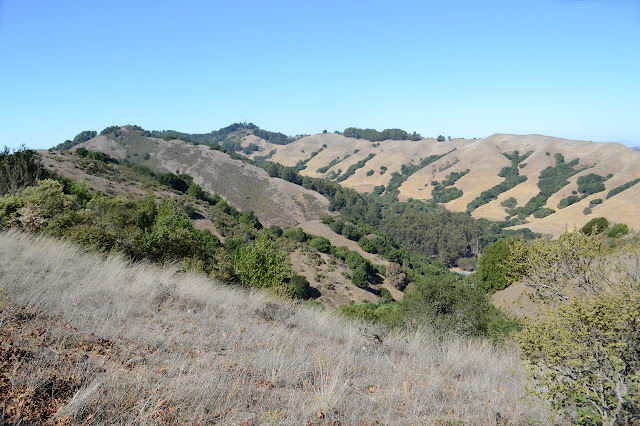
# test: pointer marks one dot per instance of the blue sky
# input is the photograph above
(566, 68)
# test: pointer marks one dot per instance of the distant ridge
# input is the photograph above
(543, 183)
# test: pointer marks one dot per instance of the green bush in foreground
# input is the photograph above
(261, 265)
(586, 356)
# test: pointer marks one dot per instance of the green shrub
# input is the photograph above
(298, 287)
(274, 231)
(296, 234)
(618, 230)
(320, 243)
(597, 225)
(493, 274)
(360, 278)
(261, 265)
(586, 356)
(327, 220)
(565, 202)
(91, 236)
(543, 212)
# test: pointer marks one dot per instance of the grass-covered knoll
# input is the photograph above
(89, 339)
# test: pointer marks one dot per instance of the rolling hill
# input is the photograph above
(468, 174)
(482, 160)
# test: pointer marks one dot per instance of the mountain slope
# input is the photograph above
(246, 187)
(484, 159)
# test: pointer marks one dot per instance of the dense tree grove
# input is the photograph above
(18, 169)
(375, 136)
(78, 139)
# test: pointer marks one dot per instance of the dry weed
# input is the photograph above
(137, 344)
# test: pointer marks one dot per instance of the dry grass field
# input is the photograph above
(89, 339)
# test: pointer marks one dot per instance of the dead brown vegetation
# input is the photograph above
(97, 340)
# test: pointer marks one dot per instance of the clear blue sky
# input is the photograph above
(566, 68)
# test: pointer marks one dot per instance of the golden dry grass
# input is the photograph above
(137, 344)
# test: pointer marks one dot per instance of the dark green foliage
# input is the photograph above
(111, 130)
(94, 155)
(273, 137)
(337, 226)
(370, 172)
(19, 169)
(321, 244)
(509, 203)
(511, 176)
(351, 232)
(296, 234)
(445, 195)
(447, 302)
(543, 212)
(571, 199)
(492, 193)
(387, 134)
(597, 225)
(440, 138)
(453, 177)
(618, 230)
(352, 168)
(492, 273)
(302, 164)
(252, 147)
(595, 201)
(232, 145)
(274, 231)
(385, 295)
(591, 184)
(551, 180)
(378, 190)
(407, 170)
(328, 166)
(587, 211)
(619, 189)
(249, 218)
(327, 220)
(359, 278)
(80, 138)
(367, 245)
(447, 235)
(298, 287)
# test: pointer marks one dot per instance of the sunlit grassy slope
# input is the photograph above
(94, 340)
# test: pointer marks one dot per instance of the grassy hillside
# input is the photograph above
(482, 161)
(246, 187)
(89, 339)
